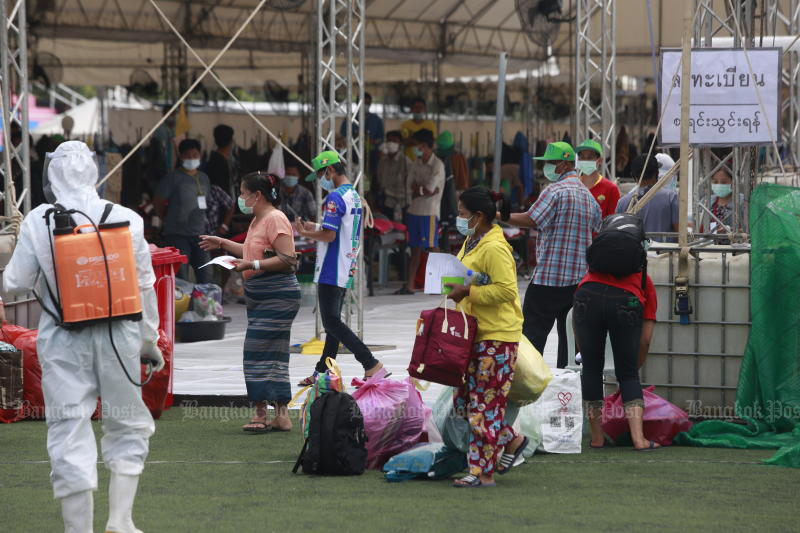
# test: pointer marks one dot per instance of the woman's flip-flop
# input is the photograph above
(277, 429)
(377, 368)
(310, 380)
(471, 482)
(507, 460)
(257, 427)
(650, 448)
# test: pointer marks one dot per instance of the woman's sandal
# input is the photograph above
(507, 460)
(257, 427)
(471, 482)
(651, 447)
(310, 380)
(374, 370)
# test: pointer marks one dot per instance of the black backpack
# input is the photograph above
(336, 443)
(618, 249)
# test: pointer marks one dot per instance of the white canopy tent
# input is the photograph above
(102, 43)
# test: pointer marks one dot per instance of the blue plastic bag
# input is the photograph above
(427, 461)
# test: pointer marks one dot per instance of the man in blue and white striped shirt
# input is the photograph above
(339, 241)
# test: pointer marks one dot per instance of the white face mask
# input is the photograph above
(191, 164)
(392, 147)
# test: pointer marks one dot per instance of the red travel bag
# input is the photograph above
(443, 345)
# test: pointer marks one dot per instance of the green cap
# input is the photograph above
(559, 151)
(590, 144)
(445, 140)
(324, 159)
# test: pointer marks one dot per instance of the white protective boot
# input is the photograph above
(121, 493)
(77, 510)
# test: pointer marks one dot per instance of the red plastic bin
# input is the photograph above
(166, 261)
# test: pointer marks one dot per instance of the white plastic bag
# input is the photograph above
(557, 414)
(276, 165)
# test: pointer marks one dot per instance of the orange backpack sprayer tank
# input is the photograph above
(88, 264)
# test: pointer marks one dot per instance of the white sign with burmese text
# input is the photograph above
(732, 103)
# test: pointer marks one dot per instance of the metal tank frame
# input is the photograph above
(701, 396)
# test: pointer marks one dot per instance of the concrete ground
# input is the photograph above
(215, 367)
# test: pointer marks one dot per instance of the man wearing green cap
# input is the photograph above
(338, 242)
(565, 215)
(606, 192)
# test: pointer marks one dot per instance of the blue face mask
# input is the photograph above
(417, 151)
(290, 181)
(243, 207)
(550, 172)
(462, 225)
(587, 167)
(722, 190)
(325, 182)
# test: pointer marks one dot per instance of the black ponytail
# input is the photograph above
(267, 184)
(482, 200)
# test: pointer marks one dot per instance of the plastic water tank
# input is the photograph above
(696, 366)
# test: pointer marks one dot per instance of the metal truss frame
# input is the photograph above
(596, 65)
(340, 96)
(276, 30)
(789, 21)
(174, 71)
(15, 90)
(740, 161)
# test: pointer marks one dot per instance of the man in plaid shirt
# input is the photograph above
(565, 215)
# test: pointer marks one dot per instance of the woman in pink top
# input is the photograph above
(273, 298)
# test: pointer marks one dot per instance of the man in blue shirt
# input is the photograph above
(338, 244)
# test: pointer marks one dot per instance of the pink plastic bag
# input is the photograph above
(661, 421)
(395, 416)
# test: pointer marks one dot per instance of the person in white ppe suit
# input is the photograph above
(80, 365)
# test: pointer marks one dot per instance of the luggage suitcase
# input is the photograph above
(443, 345)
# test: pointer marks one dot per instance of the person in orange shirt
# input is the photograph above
(605, 191)
(413, 125)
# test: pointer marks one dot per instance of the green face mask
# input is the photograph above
(243, 207)
(550, 172)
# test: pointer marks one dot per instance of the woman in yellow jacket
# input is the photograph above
(492, 298)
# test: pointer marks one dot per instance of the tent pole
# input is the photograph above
(682, 306)
(499, 118)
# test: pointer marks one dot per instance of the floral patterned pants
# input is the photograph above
(482, 401)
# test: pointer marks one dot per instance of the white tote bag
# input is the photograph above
(557, 414)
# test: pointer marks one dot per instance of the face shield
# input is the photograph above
(47, 187)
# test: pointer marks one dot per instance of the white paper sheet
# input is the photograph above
(439, 266)
(225, 261)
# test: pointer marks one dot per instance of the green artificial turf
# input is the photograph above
(205, 474)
